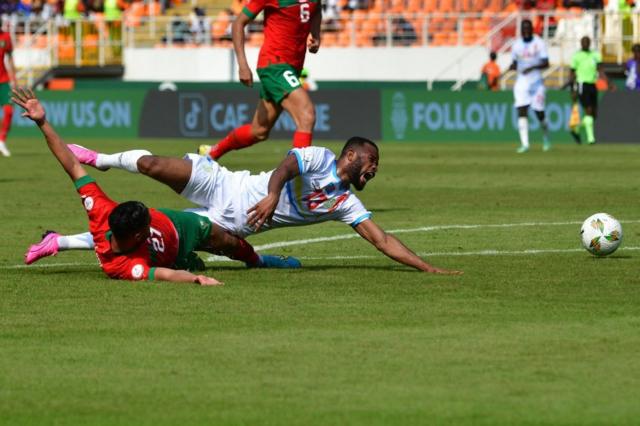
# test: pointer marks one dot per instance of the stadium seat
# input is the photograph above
(135, 13)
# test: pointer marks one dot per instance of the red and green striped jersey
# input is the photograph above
(286, 27)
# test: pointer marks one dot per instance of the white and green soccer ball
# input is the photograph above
(601, 234)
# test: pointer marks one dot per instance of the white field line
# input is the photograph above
(394, 231)
(425, 254)
(421, 229)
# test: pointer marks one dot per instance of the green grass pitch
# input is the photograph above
(549, 337)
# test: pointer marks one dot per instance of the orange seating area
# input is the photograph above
(380, 23)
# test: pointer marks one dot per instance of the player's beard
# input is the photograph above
(355, 175)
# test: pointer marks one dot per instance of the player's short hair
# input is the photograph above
(128, 218)
(493, 56)
(355, 143)
(635, 47)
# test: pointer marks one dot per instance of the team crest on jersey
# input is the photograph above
(137, 271)
(318, 199)
(88, 203)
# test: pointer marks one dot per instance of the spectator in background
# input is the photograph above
(632, 69)
(403, 32)
(491, 73)
(198, 26)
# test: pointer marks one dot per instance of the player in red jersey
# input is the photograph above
(131, 241)
(290, 28)
(7, 81)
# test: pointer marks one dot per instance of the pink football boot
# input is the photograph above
(47, 247)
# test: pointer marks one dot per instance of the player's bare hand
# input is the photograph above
(203, 280)
(313, 44)
(246, 76)
(262, 212)
(33, 109)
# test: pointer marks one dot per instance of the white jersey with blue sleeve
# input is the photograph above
(528, 54)
(315, 195)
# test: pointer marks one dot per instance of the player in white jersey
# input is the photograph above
(530, 57)
(310, 186)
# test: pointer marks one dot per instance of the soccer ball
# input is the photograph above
(601, 234)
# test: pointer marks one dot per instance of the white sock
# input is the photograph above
(76, 242)
(127, 160)
(523, 128)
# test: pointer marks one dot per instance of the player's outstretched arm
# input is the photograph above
(264, 210)
(393, 248)
(166, 274)
(34, 111)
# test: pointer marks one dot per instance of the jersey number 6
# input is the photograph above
(305, 15)
(291, 78)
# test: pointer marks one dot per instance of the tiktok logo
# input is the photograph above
(193, 107)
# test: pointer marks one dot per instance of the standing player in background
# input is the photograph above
(632, 69)
(585, 70)
(7, 82)
(290, 27)
(529, 59)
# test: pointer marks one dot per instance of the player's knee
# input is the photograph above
(148, 165)
(261, 133)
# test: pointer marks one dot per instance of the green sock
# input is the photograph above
(587, 122)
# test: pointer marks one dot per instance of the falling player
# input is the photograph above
(310, 186)
(131, 241)
(529, 59)
(290, 28)
(7, 81)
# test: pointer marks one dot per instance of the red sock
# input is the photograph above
(302, 139)
(236, 139)
(246, 253)
(6, 121)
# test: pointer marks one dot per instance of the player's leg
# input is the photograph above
(537, 105)
(198, 233)
(7, 110)
(299, 105)
(267, 112)
(223, 243)
(523, 128)
(52, 243)
(522, 100)
(589, 99)
(173, 172)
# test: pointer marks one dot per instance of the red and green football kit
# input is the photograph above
(5, 48)
(161, 249)
(287, 24)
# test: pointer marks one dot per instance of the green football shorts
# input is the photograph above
(194, 232)
(5, 94)
(277, 81)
